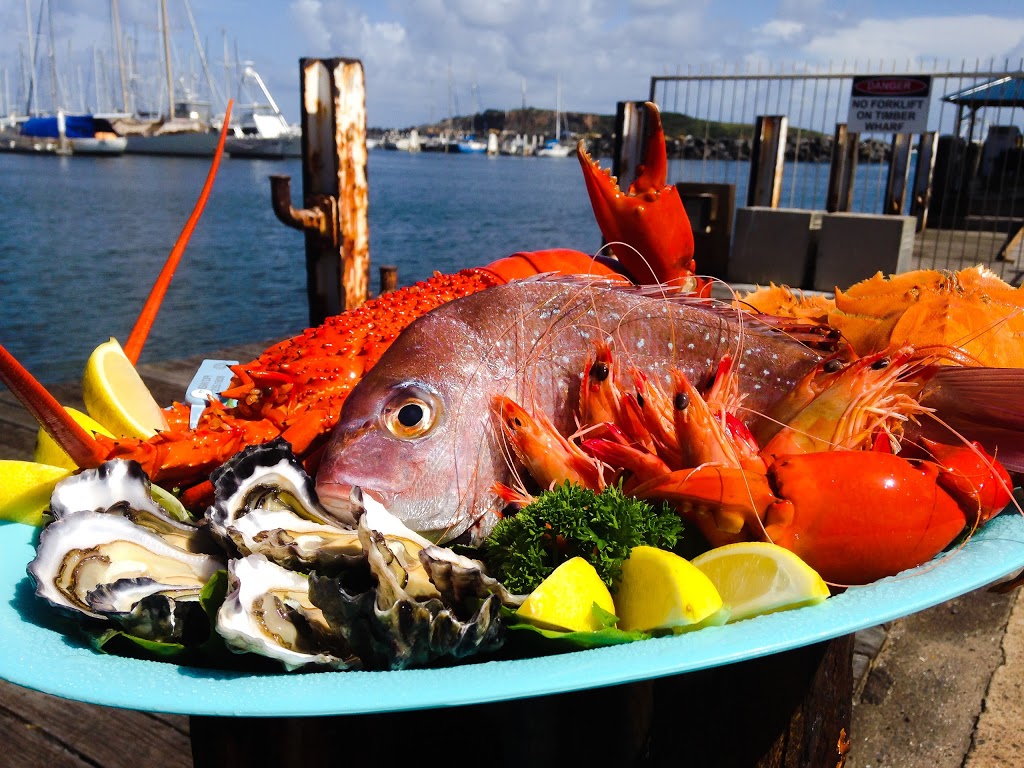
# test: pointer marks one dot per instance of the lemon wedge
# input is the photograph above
(757, 577)
(47, 450)
(661, 590)
(25, 489)
(565, 600)
(116, 396)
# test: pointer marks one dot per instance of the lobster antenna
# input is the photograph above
(139, 334)
(70, 436)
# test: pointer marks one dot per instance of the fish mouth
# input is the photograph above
(345, 501)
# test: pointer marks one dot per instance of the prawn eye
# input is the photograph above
(831, 366)
(409, 418)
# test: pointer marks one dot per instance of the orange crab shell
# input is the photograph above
(783, 301)
(972, 310)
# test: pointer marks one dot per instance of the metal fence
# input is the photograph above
(976, 189)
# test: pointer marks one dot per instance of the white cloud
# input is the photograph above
(780, 30)
(952, 38)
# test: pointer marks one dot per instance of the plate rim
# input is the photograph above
(66, 667)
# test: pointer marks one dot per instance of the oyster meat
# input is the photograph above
(266, 504)
(106, 567)
(267, 611)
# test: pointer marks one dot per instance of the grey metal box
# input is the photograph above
(773, 245)
(854, 246)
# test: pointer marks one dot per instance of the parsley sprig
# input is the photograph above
(571, 521)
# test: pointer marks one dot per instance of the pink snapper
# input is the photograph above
(418, 434)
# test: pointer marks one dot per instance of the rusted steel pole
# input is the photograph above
(767, 158)
(334, 186)
(388, 278)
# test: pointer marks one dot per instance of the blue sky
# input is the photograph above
(602, 51)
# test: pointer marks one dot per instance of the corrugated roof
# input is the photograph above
(1004, 92)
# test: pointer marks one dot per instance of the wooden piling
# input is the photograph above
(767, 157)
(334, 186)
(842, 171)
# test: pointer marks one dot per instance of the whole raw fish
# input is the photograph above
(418, 434)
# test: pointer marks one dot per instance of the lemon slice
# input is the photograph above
(661, 590)
(565, 600)
(47, 450)
(757, 577)
(116, 396)
(25, 489)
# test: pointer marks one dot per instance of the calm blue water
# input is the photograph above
(82, 239)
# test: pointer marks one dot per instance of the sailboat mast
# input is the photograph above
(167, 60)
(116, 19)
(31, 57)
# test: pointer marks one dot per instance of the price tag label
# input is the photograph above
(212, 378)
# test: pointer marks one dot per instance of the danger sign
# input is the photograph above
(889, 104)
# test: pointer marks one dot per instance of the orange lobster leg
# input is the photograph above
(647, 227)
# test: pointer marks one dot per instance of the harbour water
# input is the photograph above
(82, 239)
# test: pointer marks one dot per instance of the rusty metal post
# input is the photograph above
(630, 141)
(899, 175)
(388, 279)
(334, 186)
(842, 171)
(767, 158)
(924, 172)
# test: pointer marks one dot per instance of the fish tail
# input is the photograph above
(983, 404)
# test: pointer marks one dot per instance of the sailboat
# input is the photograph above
(187, 128)
(265, 132)
(554, 147)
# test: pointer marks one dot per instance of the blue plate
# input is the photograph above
(35, 655)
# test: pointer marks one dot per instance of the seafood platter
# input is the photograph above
(552, 473)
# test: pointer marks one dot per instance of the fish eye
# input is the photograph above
(410, 415)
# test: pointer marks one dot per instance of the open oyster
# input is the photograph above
(388, 628)
(267, 611)
(266, 504)
(107, 567)
(122, 487)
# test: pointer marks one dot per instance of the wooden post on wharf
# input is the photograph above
(767, 157)
(334, 186)
(843, 168)
(924, 172)
(899, 175)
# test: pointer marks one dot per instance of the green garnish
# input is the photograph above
(571, 521)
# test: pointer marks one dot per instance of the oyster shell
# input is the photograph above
(103, 564)
(121, 486)
(266, 504)
(388, 628)
(267, 611)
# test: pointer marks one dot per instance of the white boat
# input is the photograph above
(70, 134)
(472, 147)
(263, 131)
(99, 145)
(554, 147)
(191, 132)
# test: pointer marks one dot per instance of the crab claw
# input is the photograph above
(647, 227)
